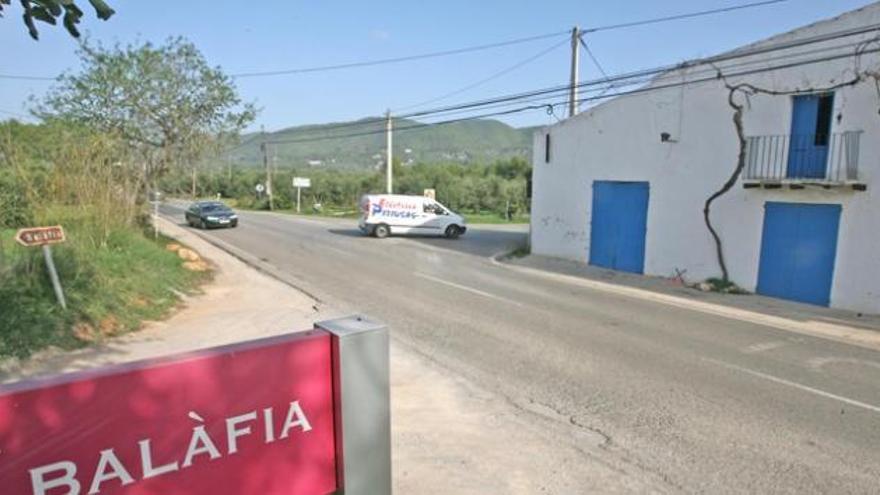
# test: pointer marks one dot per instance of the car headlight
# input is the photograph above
(213, 219)
(233, 217)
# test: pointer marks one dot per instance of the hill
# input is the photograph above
(475, 141)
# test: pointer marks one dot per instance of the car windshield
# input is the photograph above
(215, 208)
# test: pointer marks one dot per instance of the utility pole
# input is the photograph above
(388, 164)
(573, 89)
(265, 147)
(194, 178)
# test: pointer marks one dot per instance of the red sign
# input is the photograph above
(37, 236)
(254, 418)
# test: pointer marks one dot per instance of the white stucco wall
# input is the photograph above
(620, 140)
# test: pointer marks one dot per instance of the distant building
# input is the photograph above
(315, 163)
(623, 185)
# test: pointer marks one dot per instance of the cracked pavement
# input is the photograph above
(634, 395)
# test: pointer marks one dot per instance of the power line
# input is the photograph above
(592, 56)
(716, 76)
(740, 53)
(470, 49)
(628, 79)
(677, 17)
(457, 51)
(620, 80)
(489, 78)
(27, 78)
(592, 98)
(394, 60)
(241, 144)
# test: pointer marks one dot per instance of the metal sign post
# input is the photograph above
(53, 275)
(299, 183)
(155, 200)
(362, 384)
(45, 237)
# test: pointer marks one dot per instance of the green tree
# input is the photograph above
(49, 11)
(166, 102)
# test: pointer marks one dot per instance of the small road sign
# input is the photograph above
(39, 236)
(299, 183)
(44, 237)
(260, 188)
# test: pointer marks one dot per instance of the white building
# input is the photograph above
(623, 184)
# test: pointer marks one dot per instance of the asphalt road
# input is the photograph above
(696, 402)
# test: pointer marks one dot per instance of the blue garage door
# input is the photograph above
(617, 234)
(798, 248)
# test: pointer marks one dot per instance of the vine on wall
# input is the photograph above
(747, 90)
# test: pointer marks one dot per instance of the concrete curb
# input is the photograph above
(867, 339)
(249, 260)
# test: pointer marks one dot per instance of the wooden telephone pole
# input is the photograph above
(573, 88)
(264, 146)
(388, 163)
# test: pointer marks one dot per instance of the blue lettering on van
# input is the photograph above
(394, 209)
(396, 214)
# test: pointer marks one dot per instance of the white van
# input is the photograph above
(385, 214)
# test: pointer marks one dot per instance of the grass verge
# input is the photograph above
(111, 288)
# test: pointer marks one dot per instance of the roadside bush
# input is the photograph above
(113, 276)
(110, 289)
(15, 209)
(498, 188)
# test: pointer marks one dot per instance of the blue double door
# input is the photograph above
(798, 250)
(618, 225)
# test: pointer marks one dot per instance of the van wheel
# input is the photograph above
(381, 231)
(452, 232)
(203, 225)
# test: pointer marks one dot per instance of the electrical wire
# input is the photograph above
(394, 60)
(457, 51)
(503, 43)
(489, 78)
(627, 79)
(617, 94)
(735, 54)
(592, 57)
(27, 78)
(678, 17)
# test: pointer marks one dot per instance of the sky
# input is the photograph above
(289, 34)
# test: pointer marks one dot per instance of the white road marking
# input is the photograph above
(466, 288)
(764, 346)
(820, 362)
(868, 339)
(803, 388)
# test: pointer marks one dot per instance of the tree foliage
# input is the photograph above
(499, 187)
(50, 11)
(165, 101)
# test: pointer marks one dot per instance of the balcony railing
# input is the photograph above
(826, 160)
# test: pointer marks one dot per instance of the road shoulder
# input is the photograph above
(449, 435)
(239, 304)
(827, 323)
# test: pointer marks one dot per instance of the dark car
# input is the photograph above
(206, 214)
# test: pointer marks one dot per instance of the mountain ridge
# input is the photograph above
(360, 144)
